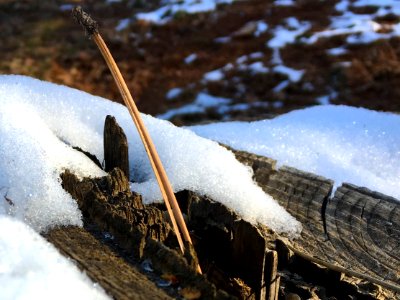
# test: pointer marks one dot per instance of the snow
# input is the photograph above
(171, 7)
(385, 7)
(292, 74)
(256, 55)
(277, 104)
(206, 100)
(261, 28)
(223, 39)
(337, 51)
(284, 2)
(324, 100)
(202, 102)
(282, 36)
(214, 75)
(61, 117)
(287, 34)
(276, 58)
(66, 7)
(258, 67)
(360, 28)
(173, 93)
(242, 59)
(188, 109)
(388, 6)
(190, 58)
(281, 86)
(31, 268)
(30, 165)
(123, 24)
(342, 143)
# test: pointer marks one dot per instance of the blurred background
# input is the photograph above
(196, 61)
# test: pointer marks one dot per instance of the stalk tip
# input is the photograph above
(90, 25)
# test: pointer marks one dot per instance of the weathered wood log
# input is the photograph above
(115, 147)
(356, 232)
(365, 229)
(244, 263)
(120, 279)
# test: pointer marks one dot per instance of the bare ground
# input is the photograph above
(41, 40)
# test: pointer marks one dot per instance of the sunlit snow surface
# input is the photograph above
(342, 143)
(31, 268)
(40, 122)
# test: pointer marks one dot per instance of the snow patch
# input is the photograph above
(202, 102)
(360, 28)
(215, 75)
(261, 28)
(337, 51)
(170, 8)
(342, 143)
(294, 75)
(123, 24)
(288, 33)
(31, 268)
(190, 58)
(284, 2)
(173, 93)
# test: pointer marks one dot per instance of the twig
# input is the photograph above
(91, 29)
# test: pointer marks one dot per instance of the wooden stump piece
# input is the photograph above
(115, 147)
(271, 276)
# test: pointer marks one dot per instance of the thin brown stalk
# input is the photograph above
(156, 164)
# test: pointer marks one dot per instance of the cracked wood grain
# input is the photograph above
(357, 231)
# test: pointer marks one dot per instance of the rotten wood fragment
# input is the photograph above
(237, 261)
(248, 256)
(109, 202)
(272, 279)
(115, 147)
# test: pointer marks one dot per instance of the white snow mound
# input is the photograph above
(41, 121)
(346, 144)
